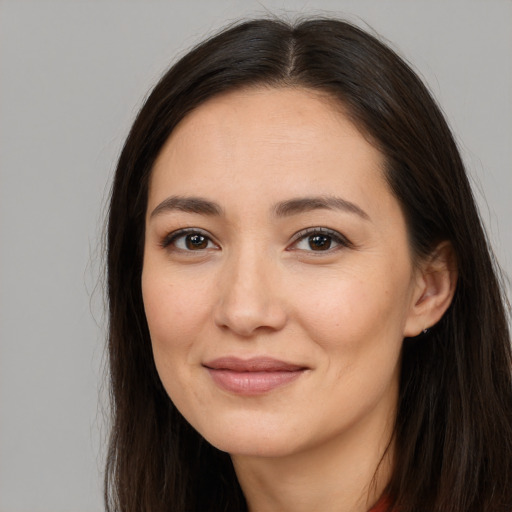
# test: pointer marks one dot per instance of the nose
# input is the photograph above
(250, 300)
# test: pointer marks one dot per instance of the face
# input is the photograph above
(277, 278)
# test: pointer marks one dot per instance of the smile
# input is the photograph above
(252, 376)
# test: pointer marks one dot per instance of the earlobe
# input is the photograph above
(435, 287)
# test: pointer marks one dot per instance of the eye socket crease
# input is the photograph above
(335, 238)
(332, 239)
(172, 238)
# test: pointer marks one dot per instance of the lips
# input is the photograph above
(252, 376)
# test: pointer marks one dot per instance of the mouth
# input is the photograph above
(252, 376)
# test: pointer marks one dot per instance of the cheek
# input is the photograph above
(349, 313)
(175, 310)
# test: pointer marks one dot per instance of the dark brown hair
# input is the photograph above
(453, 431)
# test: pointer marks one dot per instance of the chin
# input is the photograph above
(256, 440)
(257, 446)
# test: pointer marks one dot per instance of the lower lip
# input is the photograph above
(252, 383)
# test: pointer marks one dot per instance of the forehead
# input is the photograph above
(283, 140)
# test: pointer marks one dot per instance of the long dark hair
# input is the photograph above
(453, 431)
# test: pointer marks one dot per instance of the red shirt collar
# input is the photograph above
(382, 505)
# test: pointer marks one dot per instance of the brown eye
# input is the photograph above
(196, 242)
(189, 240)
(320, 242)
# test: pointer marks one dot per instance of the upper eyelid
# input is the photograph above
(174, 235)
(315, 229)
(323, 230)
(296, 237)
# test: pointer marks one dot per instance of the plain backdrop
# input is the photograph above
(72, 76)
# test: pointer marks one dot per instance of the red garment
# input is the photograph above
(382, 505)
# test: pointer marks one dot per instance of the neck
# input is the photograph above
(346, 474)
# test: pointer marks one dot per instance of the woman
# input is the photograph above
(304, 312)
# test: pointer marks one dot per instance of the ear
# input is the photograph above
(434, 289)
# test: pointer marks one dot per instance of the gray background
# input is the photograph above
(72, 76)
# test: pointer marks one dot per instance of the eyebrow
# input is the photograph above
(189, 205)
(328, 202)
(295, 206)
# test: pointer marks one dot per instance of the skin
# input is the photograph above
(255, 287)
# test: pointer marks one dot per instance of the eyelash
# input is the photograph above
(302, 235)
(171, 238)
(334, 236)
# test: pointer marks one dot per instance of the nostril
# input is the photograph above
(247, 319)
(247, 299)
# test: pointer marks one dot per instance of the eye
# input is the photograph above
(319, 240)
(189, 240)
